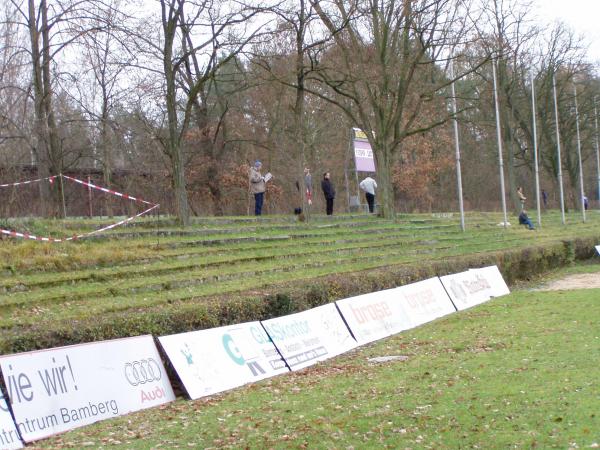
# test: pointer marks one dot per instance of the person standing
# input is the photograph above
(308, 185)
(369, 185)
(522, 197)
(258, 186)
(544, 198)
(328, 192)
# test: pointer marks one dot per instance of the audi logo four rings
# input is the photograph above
(142, 372)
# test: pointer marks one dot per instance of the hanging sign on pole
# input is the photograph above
(363, 153)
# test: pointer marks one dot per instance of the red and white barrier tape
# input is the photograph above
(51, 179)
(79, 236)
(108, 191)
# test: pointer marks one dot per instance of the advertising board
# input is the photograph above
(374, 316)
(56, 390)
(310, 336)
(217, 359)
(425, 301)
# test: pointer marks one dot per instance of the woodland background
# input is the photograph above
(172, 100)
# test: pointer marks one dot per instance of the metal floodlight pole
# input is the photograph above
(581, 191)
(346, 168)
(560, 176)
(499, 135)
(62, 194)
(597, 150)
(457, 147)
(535, 152)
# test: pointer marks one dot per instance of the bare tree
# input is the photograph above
(105, 60)
(14, 83)
(197, 38)
(49, 28)
(382, 70)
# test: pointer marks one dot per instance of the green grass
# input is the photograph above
(133, 268)
(520, 371)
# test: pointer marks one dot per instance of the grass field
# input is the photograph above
(156, 265)
(518, 372)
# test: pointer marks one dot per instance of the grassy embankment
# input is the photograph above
(517, 372)
(150, 278)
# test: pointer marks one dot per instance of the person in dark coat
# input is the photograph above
(328, 192)
(524, 220)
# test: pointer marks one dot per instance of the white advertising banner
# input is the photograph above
(310, 336)
(59, 389)
(9, 437)
(425, 301)
(218, 359)
(374, 316)
(492, 274)
(473, 287)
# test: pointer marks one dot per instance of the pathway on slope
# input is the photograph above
(577, 281)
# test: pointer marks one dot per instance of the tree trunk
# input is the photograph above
(53, 148)
(106, 157)
(41, 128)
(173, 146)
(179, 187)
(383, 158)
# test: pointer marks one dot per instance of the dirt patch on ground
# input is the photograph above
(579, 281)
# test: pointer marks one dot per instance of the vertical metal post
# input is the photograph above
(581, 190)
(499, 135)
(535, 152)
(89, 180)
(357, 185)
(158, 227)
(62, 192)
(346, 168)
(457, 148)
(597, 150)
(560, 176)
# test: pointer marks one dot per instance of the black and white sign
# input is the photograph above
(310, 336)
(374, 316)
(425, 301)
(59, 389)
(218, 359)
(9, 438)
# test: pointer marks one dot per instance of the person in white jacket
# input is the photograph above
(369, 185)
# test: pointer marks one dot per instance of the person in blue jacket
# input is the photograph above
(525, 220)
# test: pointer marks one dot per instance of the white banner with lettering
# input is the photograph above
(59, 389)
(374, 316)
(475, 286)
(425, 301)
(498, 286)
(308, 337)
(9, 438)
(218, 359)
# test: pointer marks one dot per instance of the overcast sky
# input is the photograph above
(583, 16)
